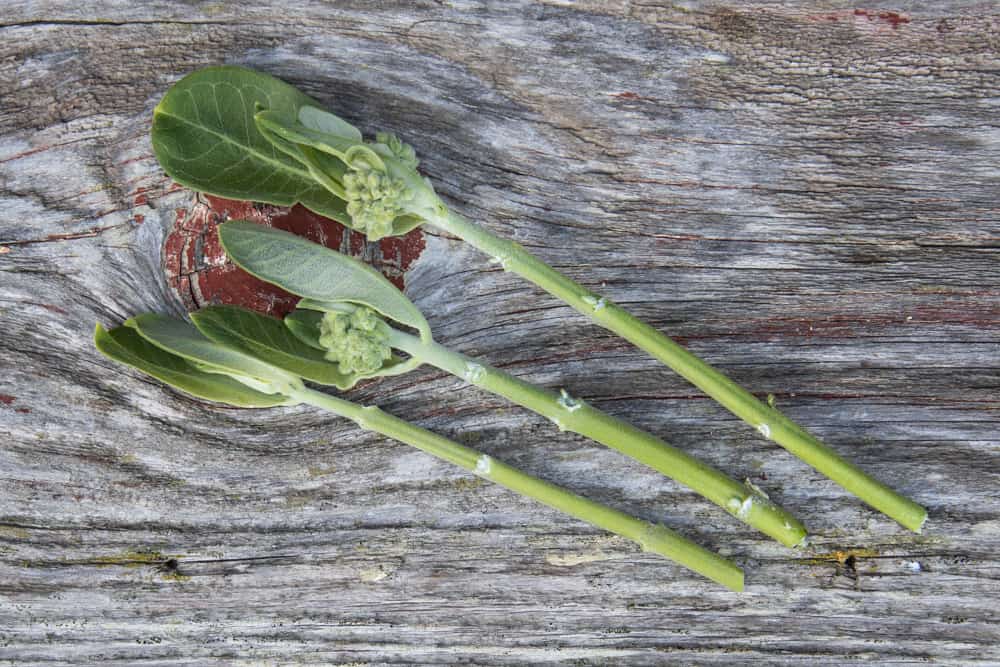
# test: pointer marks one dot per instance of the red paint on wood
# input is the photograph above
(200, 274)
(47, 306)
(895, 19)
(6, 399)
(892, 19)
(397, 253)
(23, 411)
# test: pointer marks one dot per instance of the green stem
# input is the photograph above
(570, 414)
(652, 537)
(768, 421)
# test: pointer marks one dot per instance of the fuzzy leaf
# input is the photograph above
(315, 118)
(315, 272)
(304, 325)
(276, 123)
(328, 155)
(184, 340)
(269, 339)
(126, 346)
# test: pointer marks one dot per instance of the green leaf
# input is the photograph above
(315, 272)
(304, 325)
(184, 340)
(329, 172)
(328, 155)
(315, 118)
(268, 338)
(205, 138)
(275, 123)
(126, 346)
(404, 224)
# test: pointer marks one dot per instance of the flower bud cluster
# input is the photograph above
(402, 151)
(374, 200)
(354, 340)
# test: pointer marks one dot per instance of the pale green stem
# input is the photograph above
(768, 421)
(570, 414)
(652, 537)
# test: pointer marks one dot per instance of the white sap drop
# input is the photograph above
(568, 402)
(474, 372)
(502, 258)
(740, 507)
(595, 302)
(483, 465)
(764, 430)
(745, 508)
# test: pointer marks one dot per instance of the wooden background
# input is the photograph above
(804, 193)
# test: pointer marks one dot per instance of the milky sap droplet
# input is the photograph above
(502, 258)
(568, 402)
(740, 508)
(474, 372)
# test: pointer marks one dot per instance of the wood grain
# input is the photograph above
(804, 193)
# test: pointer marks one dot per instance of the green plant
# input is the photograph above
(237, 133)
(353, 317)
(177, 353)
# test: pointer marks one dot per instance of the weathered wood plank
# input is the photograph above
(805, 194)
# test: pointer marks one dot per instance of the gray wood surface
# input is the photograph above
(804, 193)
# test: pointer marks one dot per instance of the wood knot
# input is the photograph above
(200, 274)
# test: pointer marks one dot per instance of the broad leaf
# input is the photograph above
(292, 131)
(304, 325)
(269, 339)
(205, 138)
(404, 224)
(310, 270)
(327, 155)
(126, 346)
(315, 118)
(184, 340)
(329, 172)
